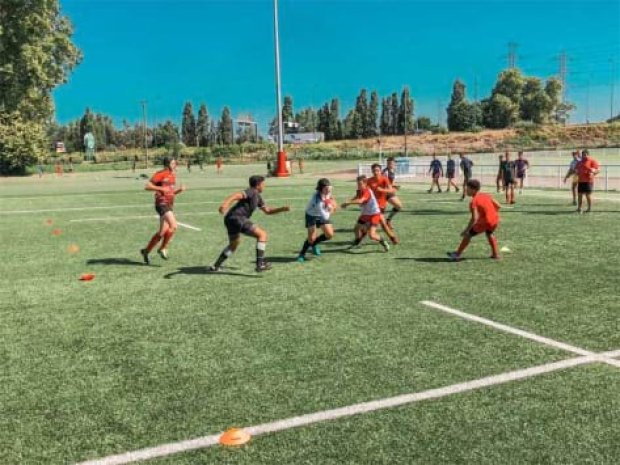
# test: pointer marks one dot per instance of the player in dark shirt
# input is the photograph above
(467, 169)
(451, 173)
(522, 165)
(393, 199)
(500, 174)
(237, 222)
(507, 170)
(436, 170)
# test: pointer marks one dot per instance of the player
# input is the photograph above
(390, 173)
(508, 172)
(521, 167)
(467, 168)
(218, 164)
(572, 173)
(451, 173)
(587, 169)
(237, 222)
(370, 216)
(484, 219)
(500, 174)
(163, 184)
(318, 213)
(436, 170)
(381, 188)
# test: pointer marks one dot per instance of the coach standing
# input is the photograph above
(587, 169)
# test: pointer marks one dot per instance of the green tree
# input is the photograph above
(361, 112)
(225, 128)
(323, 121)
(166, 135)
(424, 123)
(188, 126)
(461, 114)
(499, 112)
(371, 129)
(405, 112)
(21, 142)
(351, 125)
(202, 126)
(335, 125)
(394, 113)
(386, 117)
(288, 115)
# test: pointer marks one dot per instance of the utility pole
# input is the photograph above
(612, 66)
(563, 73)
(588, 102)
(146, 145)
(512, 55)
(281, 170)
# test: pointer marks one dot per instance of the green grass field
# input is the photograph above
(144, 356)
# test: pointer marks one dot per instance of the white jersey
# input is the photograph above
(319, 206)
(370, 206)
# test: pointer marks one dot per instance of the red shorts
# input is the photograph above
(479, 228)
(370, 220)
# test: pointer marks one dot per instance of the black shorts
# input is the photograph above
(390, 196)
(472, 232)
(450, 175)
(162, 209)
(508, 180)
(238, 226)
(316, 221)
(466, 177)
(585, 187)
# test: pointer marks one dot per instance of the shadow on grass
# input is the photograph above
(117, 261)
(282, 259)
(430, 212)
(204, 270)
(438, 259)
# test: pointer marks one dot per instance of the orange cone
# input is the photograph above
(73, 248)
(49, 222)
(234, 437)
(56, 232)
(87, 277)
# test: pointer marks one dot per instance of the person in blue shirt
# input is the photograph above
(451, 173)
(467, 170)
(436, 171)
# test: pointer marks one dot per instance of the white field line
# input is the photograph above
(568, 196)
(138, 217)
(333, 414)
(188, 226)
(519, 332)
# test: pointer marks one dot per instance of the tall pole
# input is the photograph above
(146, 145)
(281, 170)
(613, 88)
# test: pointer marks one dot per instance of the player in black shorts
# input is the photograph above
(393, 199)
(237, 222)
(467, 168)
(451, 173)
(522, 165)
(508, 172)
(499, 179)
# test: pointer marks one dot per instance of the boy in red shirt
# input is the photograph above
(484, 219)
(586, 170)
(382, 187)
(162, 183)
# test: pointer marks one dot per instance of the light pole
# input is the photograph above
(281, 170)
(146, 144)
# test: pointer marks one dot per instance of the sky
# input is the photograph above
(221, 53)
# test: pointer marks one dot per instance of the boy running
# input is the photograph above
(237, 222)
(162, 183)
(572, 173)
(390, 173)
(586, 169)
(318, 213)
(521, 165)
(484, 219)
(370, 217)
(467, 169)
(381, 188)
(451, 173)
(436, 170)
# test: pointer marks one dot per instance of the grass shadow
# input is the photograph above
(204, 270)
(429, 212)
(117, 261)
(438, 259)
(282, 259)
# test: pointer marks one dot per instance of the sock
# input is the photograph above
(463, 245)
(260, 252)
(393, 213)
(304, 248)
(154, 241)
(321, 238)
(493, 243)
(358, 240)
(226, 253)
(167, 237)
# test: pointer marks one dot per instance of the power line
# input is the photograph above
(512, 55)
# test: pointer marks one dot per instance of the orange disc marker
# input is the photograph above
(234, 437)
(87, 277)
(56, 232)
(49, 222)
(73, 248)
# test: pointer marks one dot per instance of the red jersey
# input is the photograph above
(379, 182)
(166, 179)
(487, 211)
(584, 168)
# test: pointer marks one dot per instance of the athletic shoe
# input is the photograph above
(455, 257)
(301, 259)
(263, 266)
(385, 245)
(316, 251)
(439, 191)
(145, 256)
(354, 246)
(579, 212)
(495, 257)
(430, 191)
(163, 253)
(214, 269)
(588, 210)
(395, 240)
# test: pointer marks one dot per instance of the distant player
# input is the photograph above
(451, 173)
(218, 164)
(318, 213)
(521, 167)
(587, 169)
(500, 174)
(381, 188)
(237, 222)
(390, 173)
(370, 217)
(436, 171)
(163, 184)
(484, 219)
(572, 173)
(508, 172)
(467, 168)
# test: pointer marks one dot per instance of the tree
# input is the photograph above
(405, 112)
(372, 115)
(350, 125)
(188, 126)
(335, 125)
(510, 83)
(424, 123)
(20, 143)
(361, 112)
(394, 111)
(202, 126)
(386, 117)
(287, 109)
(323, 121)
(461, 114)
(226, 127)
(166, 135)
(499, 112)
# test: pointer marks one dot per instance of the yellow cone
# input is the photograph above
(234, 437)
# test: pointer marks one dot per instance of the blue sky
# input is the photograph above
(221, 52)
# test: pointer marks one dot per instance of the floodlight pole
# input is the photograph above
(146, 144)
(281, 170)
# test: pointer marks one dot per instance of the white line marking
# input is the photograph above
(120, 218)
(356, 409)
(194, 228)
(518, 332)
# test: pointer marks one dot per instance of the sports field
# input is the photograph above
(143, 357)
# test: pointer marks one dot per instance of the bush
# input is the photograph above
(22, 143)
